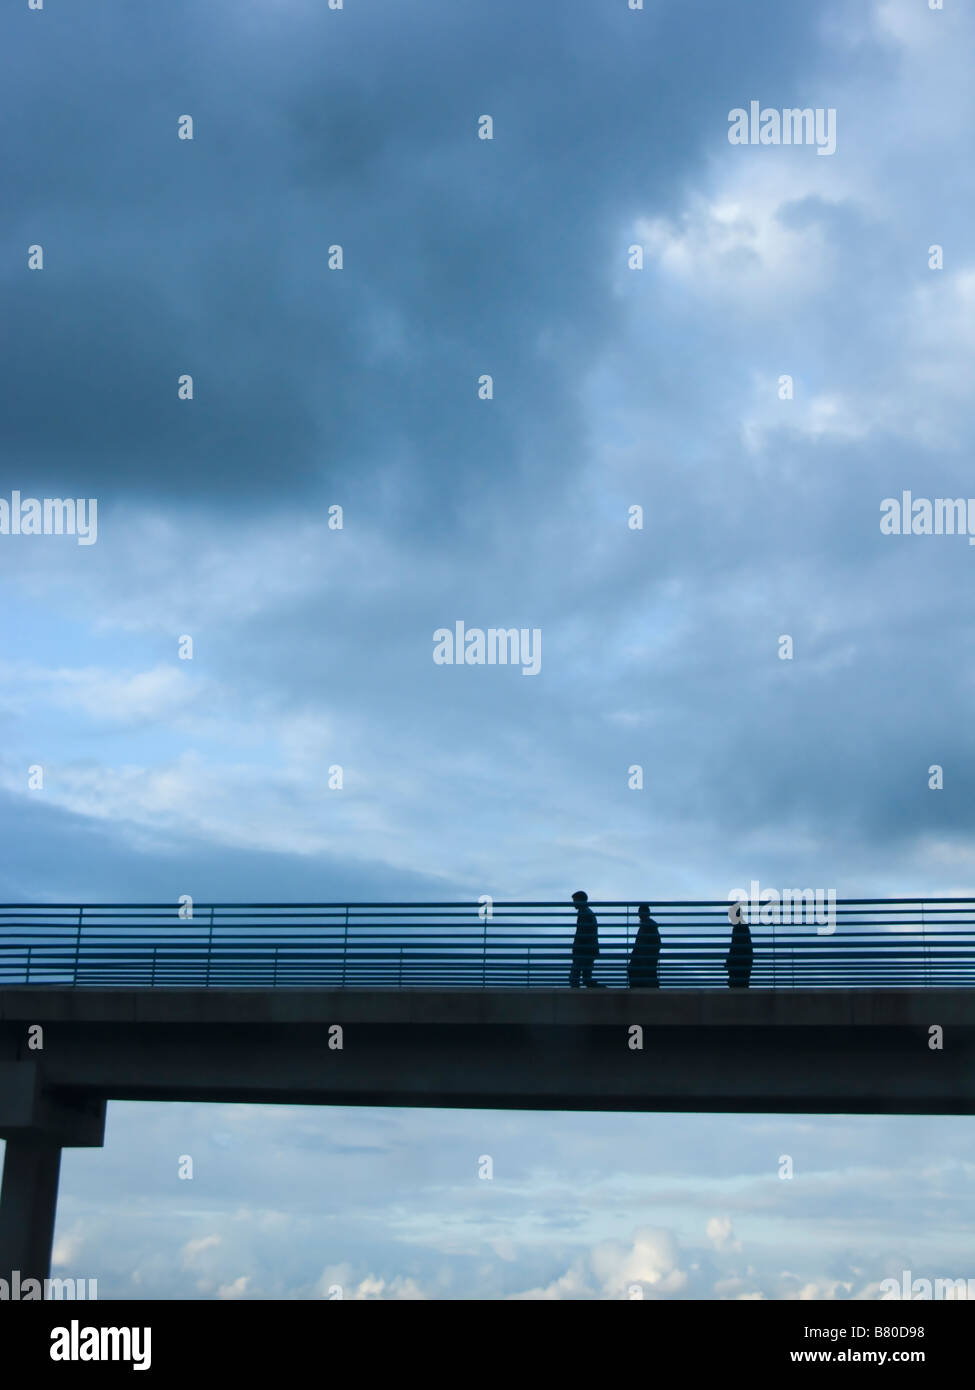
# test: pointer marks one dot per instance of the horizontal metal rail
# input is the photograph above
(906, 943)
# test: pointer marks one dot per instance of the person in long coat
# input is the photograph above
(644, 960)
(585, 946)
(738, 961)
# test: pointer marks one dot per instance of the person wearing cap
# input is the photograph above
(585, 947)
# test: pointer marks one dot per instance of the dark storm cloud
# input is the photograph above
(209, 257)
(52, 855)
(465, 256)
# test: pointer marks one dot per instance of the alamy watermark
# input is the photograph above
(15, 1289)
(498, 646)
(768, 907)
(922, 1289)
(793, 125)
(77, 1343)
(50, 516)
(919, 516)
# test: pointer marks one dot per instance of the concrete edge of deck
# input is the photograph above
(822, 1008)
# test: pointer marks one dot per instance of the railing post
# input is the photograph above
(77, 946)
(209, 948)
(924, 950)
(485, 909)
(629, 947)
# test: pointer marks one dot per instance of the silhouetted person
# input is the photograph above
(738, 961)
(642, 970)
(585, 947)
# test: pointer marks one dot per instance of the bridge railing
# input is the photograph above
(866, 943)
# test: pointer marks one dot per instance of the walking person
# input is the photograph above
(585, 946)
(738, 961)
(642, 970)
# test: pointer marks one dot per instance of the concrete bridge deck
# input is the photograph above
(827, 1051)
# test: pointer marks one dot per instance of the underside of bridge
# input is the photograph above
(65, 1052)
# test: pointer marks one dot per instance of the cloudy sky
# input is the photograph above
(613, 388)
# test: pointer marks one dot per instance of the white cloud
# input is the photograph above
(235, 1290)
(833, 416)
(193, 1248)
(572, 1284)
(721, 1234)
(734, 244)
(398, 1288)
(823, 1289)
(611, 1269)
(67, 1248)
(118, 697)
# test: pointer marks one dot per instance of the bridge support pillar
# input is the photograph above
(28, 1206)
(36, 1125)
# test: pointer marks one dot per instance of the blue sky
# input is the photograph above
(613, 387)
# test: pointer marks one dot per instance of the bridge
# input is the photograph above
(870, 1010)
